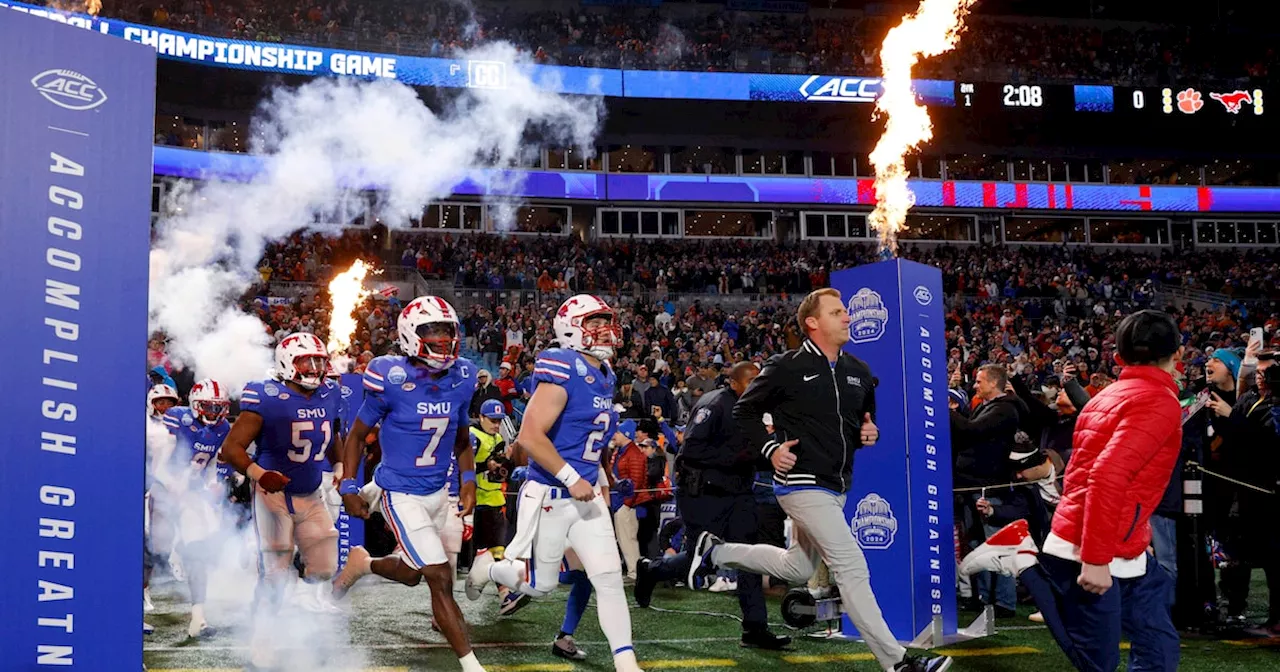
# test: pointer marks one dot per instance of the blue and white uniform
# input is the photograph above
(550, 520)
(186, 475)
(420, 417)
(297, 430)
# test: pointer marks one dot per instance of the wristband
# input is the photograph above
(348, 486)
(568, 475)
(255, 471)
(469, 476)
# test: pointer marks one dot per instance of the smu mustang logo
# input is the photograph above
(841, 89)
(873, 523)
(867, 315)
(69, 89)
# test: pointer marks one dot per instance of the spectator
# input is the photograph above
(659, 397)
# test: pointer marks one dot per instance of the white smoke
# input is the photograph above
(320, 141)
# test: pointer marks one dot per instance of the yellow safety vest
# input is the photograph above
(487, 494)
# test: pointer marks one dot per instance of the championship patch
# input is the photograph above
(270, 389)
(873, 523)
(396, 375)
(868, 316)
(581, 368)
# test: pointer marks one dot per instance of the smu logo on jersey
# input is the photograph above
(437, 408)
(873, 523)
(602, 403)
(306, 413)
(841, 89)
(69, 89)
(204, 448)
(868, 316)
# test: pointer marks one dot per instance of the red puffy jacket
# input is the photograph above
(1126, 445)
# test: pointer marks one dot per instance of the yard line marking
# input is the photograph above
(687, 663)
(443, 645)
(531, 667)
(828, 658)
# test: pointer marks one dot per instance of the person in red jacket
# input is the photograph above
(1095, 576)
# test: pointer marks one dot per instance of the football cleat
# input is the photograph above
(1009, 551)
(359, 564)
(478, 577)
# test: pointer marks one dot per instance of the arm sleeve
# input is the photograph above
(761, 396)
(552, 368)
(173, 420)
(980, 427)
(1076, 393)
(251, 397)
(1148, 421)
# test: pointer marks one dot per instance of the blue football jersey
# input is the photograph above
(296, 432)
(420, 416)
(198, 443)
(588, 421)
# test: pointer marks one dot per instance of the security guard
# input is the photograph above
(714, 473)
(493, 468)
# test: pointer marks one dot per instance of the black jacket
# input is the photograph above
(810, 401)
(714, 445)
(980, 443)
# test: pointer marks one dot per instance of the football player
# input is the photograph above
(160, 398)
(182, 469)
(567, 424)
(291, 419)
(421, 400)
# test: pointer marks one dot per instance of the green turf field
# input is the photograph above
(389, 631)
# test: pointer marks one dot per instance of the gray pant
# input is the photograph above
(822, 532)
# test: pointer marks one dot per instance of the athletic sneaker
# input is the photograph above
(703, 568)
(512, 602)
(923, 664)
(1010, 551)
(645, 583)
(723, 585)
(147, 628)
(1037, 617)
(200, 629)
(478, 577)
(565, 647)
(147, 605)
(359, 564)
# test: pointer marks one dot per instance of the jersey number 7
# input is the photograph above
(437, 427)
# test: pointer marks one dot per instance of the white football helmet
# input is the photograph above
(209, 401)
(302, 358)
(158, 392)
(572, 332)
(429, 331)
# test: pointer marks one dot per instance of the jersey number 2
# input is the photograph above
(302, 445)
(437, 427)
(595, 440)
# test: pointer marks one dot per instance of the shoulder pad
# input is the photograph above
(385, 370)
(178, 417)
(253, 394)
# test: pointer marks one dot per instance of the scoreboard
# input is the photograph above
(1164, 101)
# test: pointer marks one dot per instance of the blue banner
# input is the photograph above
(75, 175)
(463, 73)
(899, 508)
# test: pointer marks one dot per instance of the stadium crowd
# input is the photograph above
(1030, 338)
(997, 49)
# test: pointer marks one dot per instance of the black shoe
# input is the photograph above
(565, 647)
(702, 567)
(1005, 612)
(763, 639)
(645, 583)
(923, 663)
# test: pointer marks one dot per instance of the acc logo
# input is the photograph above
(841, 89)
(271, 390)
(923, 296)
(486, 75)
(69, 89)
(347, 392)
(581, 368)
(396, 375)
(873, 523)
(868, 315)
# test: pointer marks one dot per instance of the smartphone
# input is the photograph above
(1255, 335)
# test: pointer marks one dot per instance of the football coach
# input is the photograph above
(823, 405)
(714, 474)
